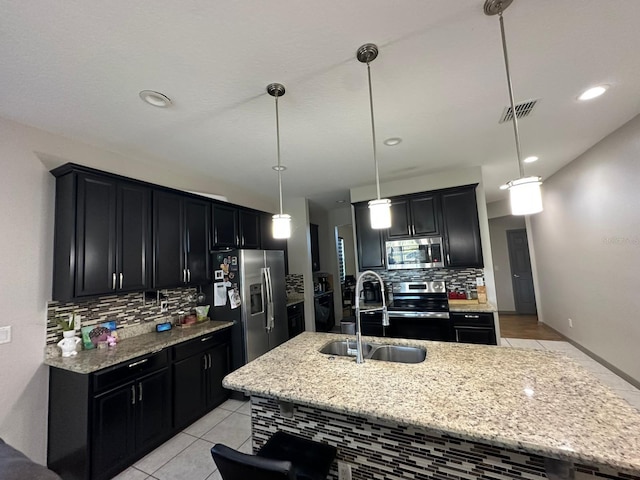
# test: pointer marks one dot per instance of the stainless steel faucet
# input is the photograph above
(385, 315)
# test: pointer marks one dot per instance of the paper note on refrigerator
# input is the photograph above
(219, 294)
(234, 298)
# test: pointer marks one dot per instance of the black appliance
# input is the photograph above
(419, 310)
(371, 291)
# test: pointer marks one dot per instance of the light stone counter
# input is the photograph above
(88, 361)
(474, 307)
(538, 402)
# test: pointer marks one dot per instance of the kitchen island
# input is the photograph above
(467, 411)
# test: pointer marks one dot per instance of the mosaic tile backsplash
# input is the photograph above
(295, 283)
(390, 451)
(456, 278)
(128, 310)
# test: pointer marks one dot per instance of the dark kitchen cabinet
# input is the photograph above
(249, 229)
(473, 327)
(198, 369)
(102, 236)
(414, 216)
(295, 319)
(225, 226)
(99, 423)
(370, 242)
(315, 247)
(181, 240)
(461, 228)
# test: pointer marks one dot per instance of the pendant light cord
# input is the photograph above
(278, 142)
(373, 133)
(511, 99)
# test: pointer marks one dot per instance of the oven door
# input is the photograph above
(420, 326)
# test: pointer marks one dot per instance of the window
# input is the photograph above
(341, 259)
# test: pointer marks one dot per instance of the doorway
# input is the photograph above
(524, 297)
(346, 266)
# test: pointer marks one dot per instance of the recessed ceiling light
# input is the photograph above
(392, 142)
(339, 201)
(156, 99)
(504, 187)
(593, 92)
(531, 159)
(279, 168)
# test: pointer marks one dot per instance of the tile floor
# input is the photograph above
(187, 455)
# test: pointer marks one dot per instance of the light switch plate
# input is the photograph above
(5, 334)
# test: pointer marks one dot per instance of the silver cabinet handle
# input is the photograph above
(472, 316)
(210, 361)
(184, 275)
(448, 258)
(188, 276)
(516, 276)
(140, 391)
(121, 279)
(133, 394)
(140, 362)
(204, 339)
(205, 362)
(113, 281)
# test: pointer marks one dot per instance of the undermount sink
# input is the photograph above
(375, 351)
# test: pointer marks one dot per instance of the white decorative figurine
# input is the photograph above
(68, 343)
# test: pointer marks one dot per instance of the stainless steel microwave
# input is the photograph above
(414, 253)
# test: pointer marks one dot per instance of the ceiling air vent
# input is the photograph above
(523, 109)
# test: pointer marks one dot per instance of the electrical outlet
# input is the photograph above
(5, 334)
(344, 471)
(570, 323)
(164, 306)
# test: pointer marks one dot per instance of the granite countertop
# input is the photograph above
(88, 361)
(294, 298)
(474, 307)
(540, 402)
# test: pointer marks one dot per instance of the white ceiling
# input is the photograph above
(75, 68)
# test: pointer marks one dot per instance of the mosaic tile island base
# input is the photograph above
(468, 411)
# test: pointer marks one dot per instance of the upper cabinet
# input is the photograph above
(181, 240)
(461, 228)
(114, 234)
(370, 242)
(235, 227)
(315, 247)
(102, 235)
(414, 216)
(450, 213)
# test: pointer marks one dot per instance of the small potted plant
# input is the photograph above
(69, 341)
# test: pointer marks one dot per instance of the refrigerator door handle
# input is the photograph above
(270, 310)
(266, 301)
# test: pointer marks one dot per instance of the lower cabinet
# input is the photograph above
(198, 369)
(102, 422)
(474, 327)
(295, 319)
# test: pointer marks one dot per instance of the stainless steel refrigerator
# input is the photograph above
(261, 318)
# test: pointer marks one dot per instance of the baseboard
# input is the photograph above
(507, 312)
(599, 359)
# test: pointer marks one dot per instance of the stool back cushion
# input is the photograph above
(234, 465)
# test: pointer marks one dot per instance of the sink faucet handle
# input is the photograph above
(385, 317)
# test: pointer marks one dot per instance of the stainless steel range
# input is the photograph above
(419, 310)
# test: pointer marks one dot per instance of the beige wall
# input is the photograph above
(501, 266)
(587, 245)
(26, 245)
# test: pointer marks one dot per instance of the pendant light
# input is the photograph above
(524, 193)
(281, 223)
(379, 209)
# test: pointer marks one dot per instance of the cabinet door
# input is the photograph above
(400, 219)
(225, 226)
(197, 230)
(134, 237)
(315, 247)
(249, 230)
(461, 228)
(479, 335)
(369, 241)
(424, 215)
(168, 265)
(95, 236)
(153, 412)
(219, 367)
(113, 430)
(189, 393)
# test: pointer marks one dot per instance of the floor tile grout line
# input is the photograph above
(195, 438)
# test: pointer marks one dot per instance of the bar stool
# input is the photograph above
(283, 457)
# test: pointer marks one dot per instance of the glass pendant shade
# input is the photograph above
(380, 213)
(281, 226)
(525, 195)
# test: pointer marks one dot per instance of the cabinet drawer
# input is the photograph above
(121, 373)
(199, 345)
(295, 308)
(472, 318)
